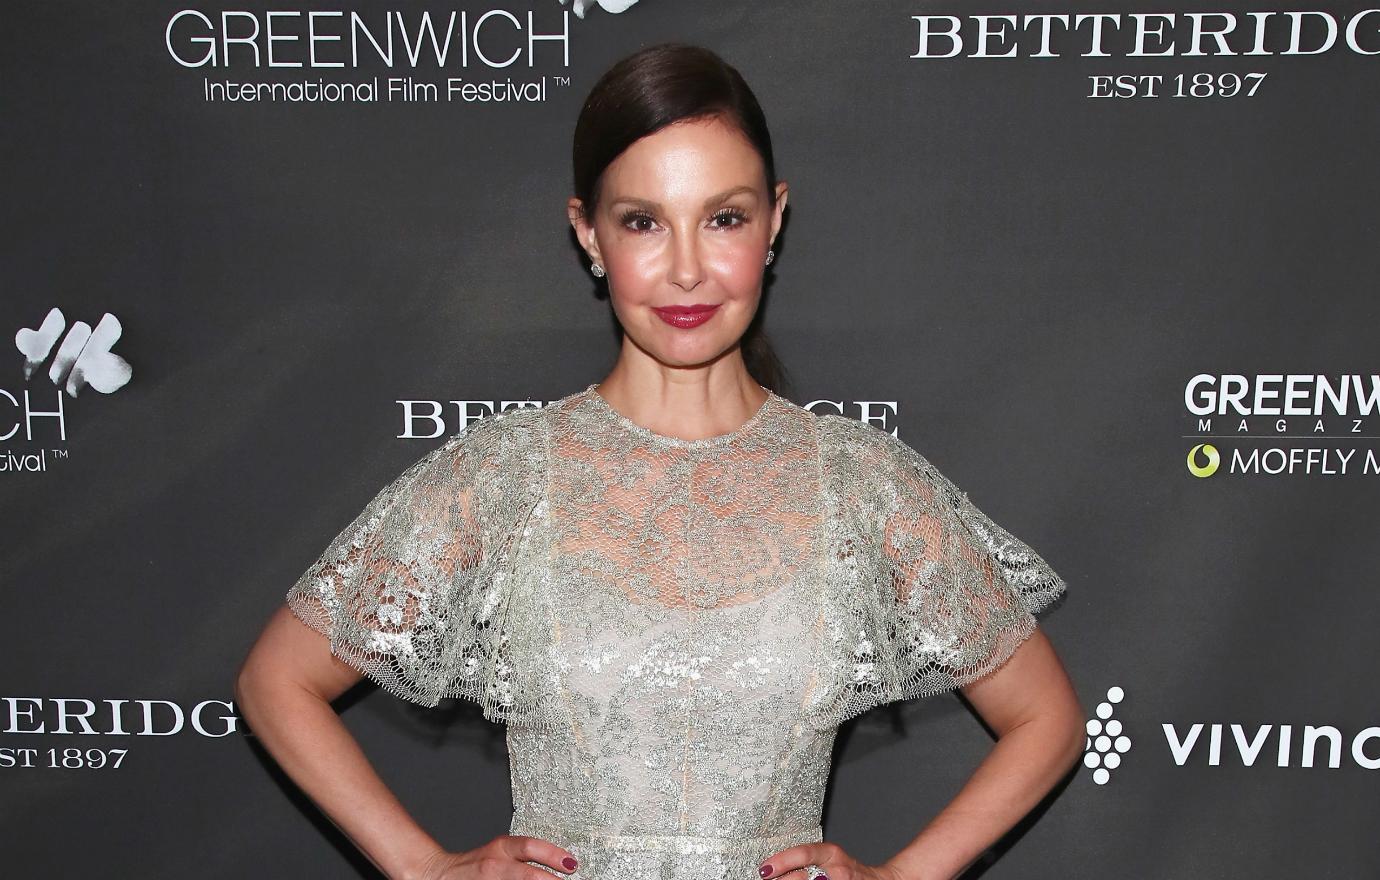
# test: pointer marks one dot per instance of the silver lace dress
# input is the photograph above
(672, 630)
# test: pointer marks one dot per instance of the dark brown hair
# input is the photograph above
(649, 90)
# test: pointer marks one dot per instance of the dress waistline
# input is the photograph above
(669, 843)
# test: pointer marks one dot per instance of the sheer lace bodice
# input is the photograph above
(672, 629)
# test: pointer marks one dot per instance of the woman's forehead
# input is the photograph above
(685, 162)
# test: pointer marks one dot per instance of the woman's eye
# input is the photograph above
(729, 218)
(633, 218)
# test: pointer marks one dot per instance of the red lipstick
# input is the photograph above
(686, 317)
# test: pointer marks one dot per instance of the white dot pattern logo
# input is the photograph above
(1106, 742)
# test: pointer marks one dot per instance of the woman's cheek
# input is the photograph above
(636, 261)
(738, 266)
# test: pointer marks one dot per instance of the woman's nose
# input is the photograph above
(687, 270)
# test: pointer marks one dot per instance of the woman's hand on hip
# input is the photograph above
(828, 857)
(503, 858)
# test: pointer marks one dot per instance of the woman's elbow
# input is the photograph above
(248, 683)
(1073, 728)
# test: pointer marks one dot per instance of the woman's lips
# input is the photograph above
(685, 317)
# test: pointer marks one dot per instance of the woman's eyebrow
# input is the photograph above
(708, 203)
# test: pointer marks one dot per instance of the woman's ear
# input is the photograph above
(584, 230)
(782, 193)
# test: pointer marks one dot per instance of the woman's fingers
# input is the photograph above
(536, 849)
(795, 858)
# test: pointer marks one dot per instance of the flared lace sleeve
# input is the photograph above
(926, 593)
(414, 591)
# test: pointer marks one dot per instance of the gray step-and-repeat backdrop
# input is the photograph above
(1111, 266)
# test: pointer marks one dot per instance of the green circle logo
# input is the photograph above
(1214, 458)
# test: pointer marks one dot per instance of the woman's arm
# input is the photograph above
(284, 690)
(1030, 703)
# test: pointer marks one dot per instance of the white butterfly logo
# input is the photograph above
(609, 5)
(84, 357)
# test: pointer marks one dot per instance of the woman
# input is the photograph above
(673, 585)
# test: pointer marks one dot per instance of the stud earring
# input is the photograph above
(771, 255)
(597, 270)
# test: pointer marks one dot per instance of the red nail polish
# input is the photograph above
(569, 863)
(765, 870)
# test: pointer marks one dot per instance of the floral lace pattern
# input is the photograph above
(672, 629)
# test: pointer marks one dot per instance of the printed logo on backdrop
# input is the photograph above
(611, 5)
(453, 56)
(1321, 746)
(428, 419)
(78, 357)
(24, 718)
(1283, 425)
(1165, 39)
(1106, 741)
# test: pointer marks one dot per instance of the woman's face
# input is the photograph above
(683, 219)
